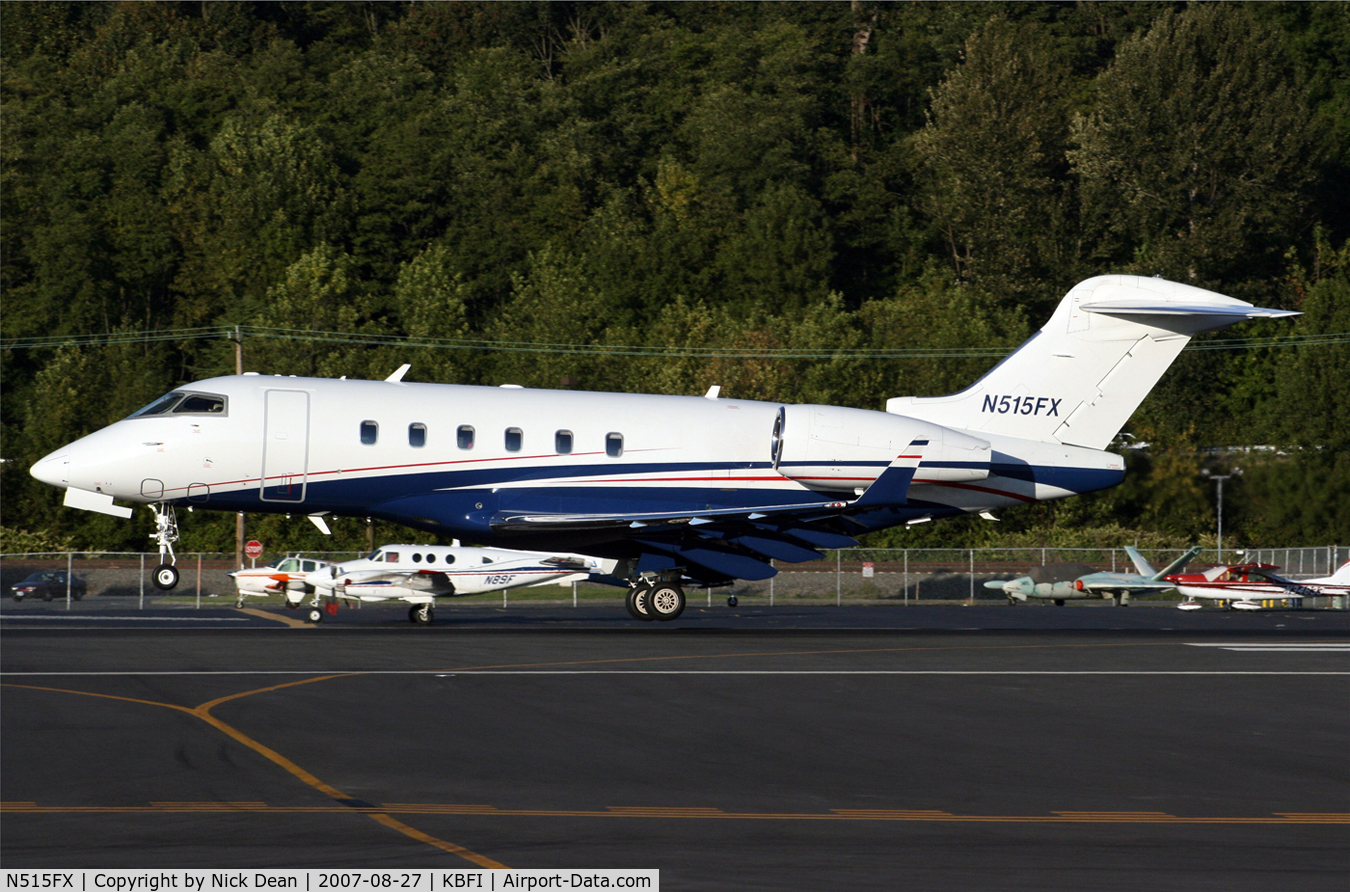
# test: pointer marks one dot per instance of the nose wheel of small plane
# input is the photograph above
(315, 615)
(731, 601)
(665, 601)
(420, 615)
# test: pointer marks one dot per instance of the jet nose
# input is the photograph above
(53, 470)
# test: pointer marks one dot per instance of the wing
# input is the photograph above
(1292, 589)
(1127, 586)
(723, 543)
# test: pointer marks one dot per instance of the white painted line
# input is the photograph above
(1282, 647)
(454, 672)
(84, 617)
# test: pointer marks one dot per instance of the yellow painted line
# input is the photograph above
(276, 617)
(203, 712)
(384, 814)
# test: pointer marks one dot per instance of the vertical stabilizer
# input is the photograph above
(1079, 378)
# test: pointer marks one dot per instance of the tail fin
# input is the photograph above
(1175, 567)
(1079, 378)
(1340, 577)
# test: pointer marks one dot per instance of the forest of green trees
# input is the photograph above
(810, 202)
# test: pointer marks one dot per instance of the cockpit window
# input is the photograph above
(201, 404)
(159, 406)
(180, 403)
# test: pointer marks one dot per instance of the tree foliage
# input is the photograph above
(631, 181)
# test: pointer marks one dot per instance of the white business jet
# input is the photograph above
(419, 574)
(679, 489)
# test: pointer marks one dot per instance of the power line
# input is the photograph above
(485, 345)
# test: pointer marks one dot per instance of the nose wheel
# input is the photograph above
(165, 576)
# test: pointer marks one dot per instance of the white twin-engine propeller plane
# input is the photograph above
(419, 574)
(677, 488)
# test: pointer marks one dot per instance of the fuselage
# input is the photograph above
(451, 459)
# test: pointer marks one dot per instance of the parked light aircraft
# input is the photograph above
(679, 488)
(282, 574)
(1247, 585)
(1067, 582)
(419, 574)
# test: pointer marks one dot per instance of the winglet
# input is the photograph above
(889, 489)
(398, 374)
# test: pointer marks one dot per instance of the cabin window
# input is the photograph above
(431, 559)
(417, 558)
(449, 558)
(391, 557)
(465, 437)
(614, 445)
(417, 435)
(513, 438)
(562, 442)
(370, 432)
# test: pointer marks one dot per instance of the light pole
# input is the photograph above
(1219, 479)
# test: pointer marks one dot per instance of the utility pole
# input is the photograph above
(238, 340)
(1219, 479)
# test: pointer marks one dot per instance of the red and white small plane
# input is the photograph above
(282, 574)
(1246, 585)
(419, 574)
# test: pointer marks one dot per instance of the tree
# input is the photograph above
(994, 157)
(1196, 153)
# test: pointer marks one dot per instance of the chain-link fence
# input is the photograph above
(78, 580)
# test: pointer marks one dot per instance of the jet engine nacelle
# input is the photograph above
(836, 449)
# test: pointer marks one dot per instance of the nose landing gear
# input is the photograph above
(165, 576)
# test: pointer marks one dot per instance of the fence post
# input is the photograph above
(838, 577)
(140, 604)
(972, 577)
(199, 580)
(574, 593)
(70, 568)
(906, 577)
(771, 584)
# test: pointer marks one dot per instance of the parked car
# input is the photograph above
(48, 584)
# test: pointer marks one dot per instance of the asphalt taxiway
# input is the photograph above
(725, 752)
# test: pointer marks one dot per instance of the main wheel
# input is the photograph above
(636, 602)
(1059, 602)
(420, 615)
(731, 601)
(665, 601)
(315, 615)
(165, 577)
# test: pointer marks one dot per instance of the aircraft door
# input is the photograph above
(285, 464)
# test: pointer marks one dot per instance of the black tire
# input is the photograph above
(18, 597)
(731, 601)
(315, 615)
(165, 577)
(46, 596)
(1059, 602)
(665, 602)
(421, 614)
(636, 603)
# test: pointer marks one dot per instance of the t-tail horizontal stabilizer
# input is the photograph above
(890, 489)
(1078, 379)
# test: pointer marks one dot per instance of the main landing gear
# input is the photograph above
(165, 576)
(654, 600)
(420, 615)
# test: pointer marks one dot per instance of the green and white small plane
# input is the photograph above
(1066, 582)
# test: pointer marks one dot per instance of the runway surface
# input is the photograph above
(729, 757)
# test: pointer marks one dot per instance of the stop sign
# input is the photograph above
(253, 548)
